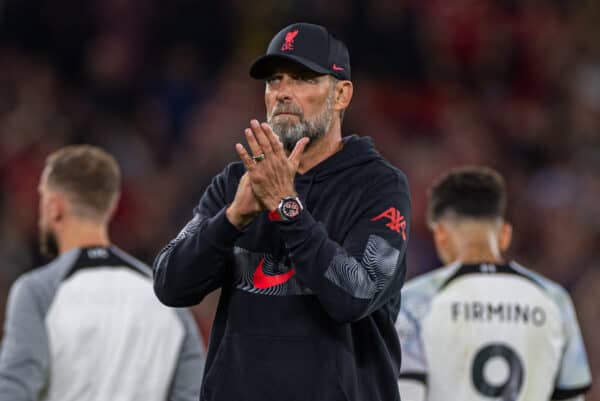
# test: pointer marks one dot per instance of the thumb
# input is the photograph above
(298, 151)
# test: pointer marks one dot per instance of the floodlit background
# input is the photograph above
(164, 86)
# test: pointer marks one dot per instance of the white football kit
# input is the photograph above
(489, 332)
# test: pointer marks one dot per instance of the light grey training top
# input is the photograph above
(88, 327)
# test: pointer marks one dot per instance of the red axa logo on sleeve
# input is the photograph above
(397, 222)
(289, 41)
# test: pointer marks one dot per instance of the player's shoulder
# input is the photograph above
(24, 284)
(553, 290)
(419, 292)
(430, 282)
(41, 283)
(53, 271)
(131, 261)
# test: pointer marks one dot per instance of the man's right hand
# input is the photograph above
(244, 207)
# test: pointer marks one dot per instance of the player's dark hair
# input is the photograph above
(88, 175)
(471, 191)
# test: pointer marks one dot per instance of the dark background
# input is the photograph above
(163, 85)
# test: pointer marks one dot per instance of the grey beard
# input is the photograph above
(289, 134)
(315, 129)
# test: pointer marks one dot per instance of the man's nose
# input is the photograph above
(284, 90)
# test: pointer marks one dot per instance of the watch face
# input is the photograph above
(290, 208)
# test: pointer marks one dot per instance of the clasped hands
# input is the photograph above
(269, 174)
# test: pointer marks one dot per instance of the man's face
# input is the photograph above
(47, 235)
(299, 103)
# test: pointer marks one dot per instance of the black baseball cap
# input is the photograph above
(310, 45)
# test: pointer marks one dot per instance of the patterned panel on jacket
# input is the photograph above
(363, 280)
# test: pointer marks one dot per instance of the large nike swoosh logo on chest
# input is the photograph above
(262, 280)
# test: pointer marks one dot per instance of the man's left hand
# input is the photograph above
(272, 178)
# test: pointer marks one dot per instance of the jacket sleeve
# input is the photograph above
(574, 377)
(24, 356)
(364, 272)
(190, 364)
(192, 265)
(412, 381)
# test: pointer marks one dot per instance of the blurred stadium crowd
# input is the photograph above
(164, 86)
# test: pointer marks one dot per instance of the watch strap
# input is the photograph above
(274, 215)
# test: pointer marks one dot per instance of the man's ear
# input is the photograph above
(343, 95)
(57, 206)
(505, 236)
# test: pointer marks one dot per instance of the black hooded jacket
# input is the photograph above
(307, 307)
